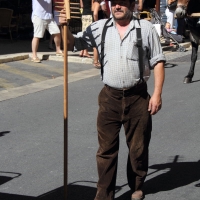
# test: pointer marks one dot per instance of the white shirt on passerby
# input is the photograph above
(170, 17)
(42, 9)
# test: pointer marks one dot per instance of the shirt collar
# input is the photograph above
(133, 24)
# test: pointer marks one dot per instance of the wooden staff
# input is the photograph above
(65, 111)
(65, 8)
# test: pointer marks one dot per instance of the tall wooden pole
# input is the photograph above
(65, 113)
(67, 10)
(64, 9)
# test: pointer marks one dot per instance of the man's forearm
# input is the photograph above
(159, 76)
(155, 102)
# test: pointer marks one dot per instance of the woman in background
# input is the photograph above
(98, 14)
(86, 19)
(56, 18)
(170, 15)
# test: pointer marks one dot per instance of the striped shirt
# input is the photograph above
(121, 69)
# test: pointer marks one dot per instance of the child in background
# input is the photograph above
(169, 29)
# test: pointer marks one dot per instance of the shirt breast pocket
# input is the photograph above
(132, 52)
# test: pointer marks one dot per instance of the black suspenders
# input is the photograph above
(140, 51)
(139, 46)
(102, 45)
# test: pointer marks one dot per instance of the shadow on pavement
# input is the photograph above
(22, 46)
(170, 65)
(195, 81)
(178, 174)
(75, 192)
(3, 133)
(7, 176)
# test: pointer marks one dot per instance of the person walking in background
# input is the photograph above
(138, 8)
(178, 24)
(86, 19)
(124, 99)
(170, 15)
(42, 19)
(105, 7)
(98, 14)
(56, 18)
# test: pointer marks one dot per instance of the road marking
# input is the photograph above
(41, 65)
(5, 84)
(25, 74)
(36, 87)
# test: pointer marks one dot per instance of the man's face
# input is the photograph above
(121, 9)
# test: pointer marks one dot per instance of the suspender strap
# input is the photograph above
(102, 45)
(140, 51)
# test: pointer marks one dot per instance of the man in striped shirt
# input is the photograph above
(124, 100)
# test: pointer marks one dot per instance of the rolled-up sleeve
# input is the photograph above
(156, 53)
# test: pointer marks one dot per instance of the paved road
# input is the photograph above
(24, 72)
(31, 141)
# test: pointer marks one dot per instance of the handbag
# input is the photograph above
(172, 5)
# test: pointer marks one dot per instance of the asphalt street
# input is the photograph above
(31, 139)
(25, 72)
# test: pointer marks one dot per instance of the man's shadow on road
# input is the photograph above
(178, 174)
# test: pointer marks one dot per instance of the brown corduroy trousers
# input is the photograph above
(130, 109)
